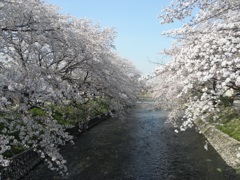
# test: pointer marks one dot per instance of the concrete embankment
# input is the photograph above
(226, 146)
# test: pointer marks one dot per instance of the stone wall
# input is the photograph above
(24, 162)
(226, 146)
(20, 165)
(78, 129)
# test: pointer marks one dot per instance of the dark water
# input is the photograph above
(141, 147)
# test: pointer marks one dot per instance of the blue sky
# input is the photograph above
(135, 21)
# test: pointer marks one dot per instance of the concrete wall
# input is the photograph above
(20, 165)
(227, 147)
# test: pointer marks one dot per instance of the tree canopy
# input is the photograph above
(205, 60)
(49, 59)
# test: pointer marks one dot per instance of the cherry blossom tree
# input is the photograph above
(49, 59)
(205, 60)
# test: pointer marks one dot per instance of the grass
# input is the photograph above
(229, 122)
(69, 114)
(232, 128)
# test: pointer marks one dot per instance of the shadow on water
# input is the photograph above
(140, 147)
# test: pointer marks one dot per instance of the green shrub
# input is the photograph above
(37, 112)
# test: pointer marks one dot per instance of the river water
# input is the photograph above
(140, 147)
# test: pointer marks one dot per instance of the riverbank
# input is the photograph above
(227, 147)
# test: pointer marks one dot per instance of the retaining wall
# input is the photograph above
(226, 146)
(20, 165)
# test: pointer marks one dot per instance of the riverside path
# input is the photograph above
(140, 147)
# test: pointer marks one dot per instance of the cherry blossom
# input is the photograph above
(51, 59)
(204, 60)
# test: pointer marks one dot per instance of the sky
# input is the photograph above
(138, 29)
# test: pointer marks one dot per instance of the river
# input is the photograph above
(142, 146)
